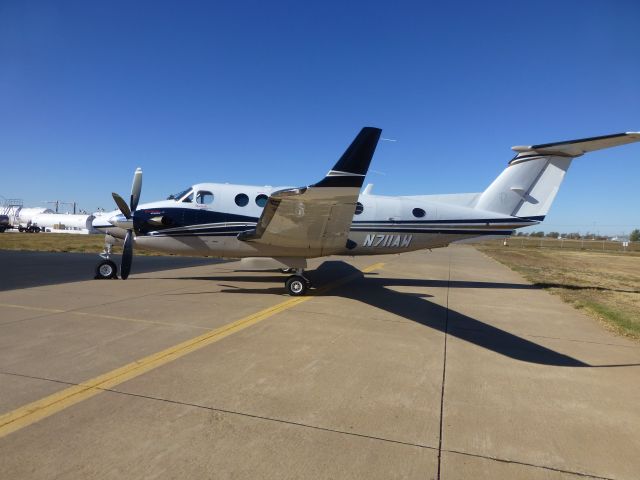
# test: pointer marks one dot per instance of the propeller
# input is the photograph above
(128, 211)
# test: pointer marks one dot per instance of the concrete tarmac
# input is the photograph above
(440, 364)
(20, 269)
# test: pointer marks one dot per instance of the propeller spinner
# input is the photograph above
(128, 212)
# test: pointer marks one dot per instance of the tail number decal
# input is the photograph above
(391, 241)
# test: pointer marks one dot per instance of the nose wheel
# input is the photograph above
(107, 268)
(297, 285)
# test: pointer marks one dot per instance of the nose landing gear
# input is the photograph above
(107, 268)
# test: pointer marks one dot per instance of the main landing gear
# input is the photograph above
(297, 285)
(106, 269)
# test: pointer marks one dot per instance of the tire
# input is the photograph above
(296, 285)
(20, 229)
(106, 269)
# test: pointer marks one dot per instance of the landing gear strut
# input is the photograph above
(297, 285)
(106, 269)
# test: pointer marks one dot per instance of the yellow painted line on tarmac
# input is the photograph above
(47, 406)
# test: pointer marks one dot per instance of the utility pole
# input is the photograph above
(70, 203)
(56, 202)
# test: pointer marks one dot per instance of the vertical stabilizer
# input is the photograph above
(527, 188)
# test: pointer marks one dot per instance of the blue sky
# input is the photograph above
(272, 93)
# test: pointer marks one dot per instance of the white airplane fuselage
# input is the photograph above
(287, 226)
(207, 219)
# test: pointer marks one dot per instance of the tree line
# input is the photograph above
(634, 236)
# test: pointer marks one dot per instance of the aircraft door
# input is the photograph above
(203, 202)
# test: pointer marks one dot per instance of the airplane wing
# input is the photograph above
(318, 217)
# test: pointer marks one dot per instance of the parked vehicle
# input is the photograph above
(30, 227)
(4, 223)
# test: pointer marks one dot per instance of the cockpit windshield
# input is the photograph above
(178, 196)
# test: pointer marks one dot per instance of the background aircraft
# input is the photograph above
(282, 227)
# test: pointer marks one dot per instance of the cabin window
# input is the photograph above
(242, 200)
(261, 200)
(419, 213)
(359, 208)
(204, 198)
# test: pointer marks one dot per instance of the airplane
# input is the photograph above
(270, 228)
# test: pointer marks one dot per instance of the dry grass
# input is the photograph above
(605, 285)
(59, 242)
(51, 242)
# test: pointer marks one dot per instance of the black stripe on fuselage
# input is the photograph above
(434, 230)
(190, 221)
(471, 221)
(439, 231)
(179, 217)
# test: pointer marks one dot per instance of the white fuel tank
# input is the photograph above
(62, 221)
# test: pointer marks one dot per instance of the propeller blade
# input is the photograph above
(122, 205)
(127, 255)
(136, 186)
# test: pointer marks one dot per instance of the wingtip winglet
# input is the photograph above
(353, 165)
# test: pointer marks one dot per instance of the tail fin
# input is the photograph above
(528, 186)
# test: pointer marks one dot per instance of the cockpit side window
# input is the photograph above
(204, 197)
(188, 198)
(179, 196)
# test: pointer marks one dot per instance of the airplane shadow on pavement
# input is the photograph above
(377, 291)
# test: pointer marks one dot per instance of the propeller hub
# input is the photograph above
(121, 221)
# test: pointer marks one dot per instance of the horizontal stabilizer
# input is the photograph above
(575, 148)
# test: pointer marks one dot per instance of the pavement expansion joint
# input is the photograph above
(633, 347)
(337, 314)
(77, 312)
(320, 428)
(532, 465)
(44, 379)
(227, 411)
(274, 419)
(444, 370)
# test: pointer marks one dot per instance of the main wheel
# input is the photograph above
(106, 269)
(296, 285)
